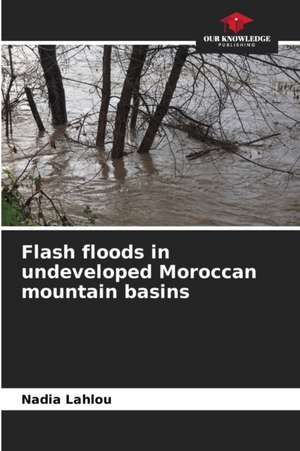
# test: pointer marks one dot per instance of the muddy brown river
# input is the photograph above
(157, 189)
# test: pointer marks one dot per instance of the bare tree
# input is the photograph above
(133, 74)
(106, 93)
(7, 107)
(135, 104)
(56, 92)
(163, 106)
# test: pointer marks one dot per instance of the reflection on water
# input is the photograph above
(119, 171)
(160, 189)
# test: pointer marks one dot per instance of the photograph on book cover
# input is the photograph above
(149, 135)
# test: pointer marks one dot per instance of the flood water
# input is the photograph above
(162, 188)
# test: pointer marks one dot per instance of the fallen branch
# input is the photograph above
(64, 220)
(195, 155)
(264, 138)
(284, 171)
(186, 116)
(15, 185)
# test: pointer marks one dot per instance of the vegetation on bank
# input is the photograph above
(12, 209)
(37, 209)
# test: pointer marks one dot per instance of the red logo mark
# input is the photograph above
(235, 22)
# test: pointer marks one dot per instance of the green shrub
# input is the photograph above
(12, 211)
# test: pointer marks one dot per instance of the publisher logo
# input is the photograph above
(235, 22)
(241, 34)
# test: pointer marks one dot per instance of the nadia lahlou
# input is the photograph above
(67, 399)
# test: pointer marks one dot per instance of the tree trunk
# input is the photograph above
(134, 71)
(56, 93)
(135, 108)
(7, 106)
(34, 109)
(164, 104)
(136, 104)
(106, 91)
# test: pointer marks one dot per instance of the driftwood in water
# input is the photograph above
(200, 132)
(228, 146)
(201, 135)
(34, 109)
(234, 147)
